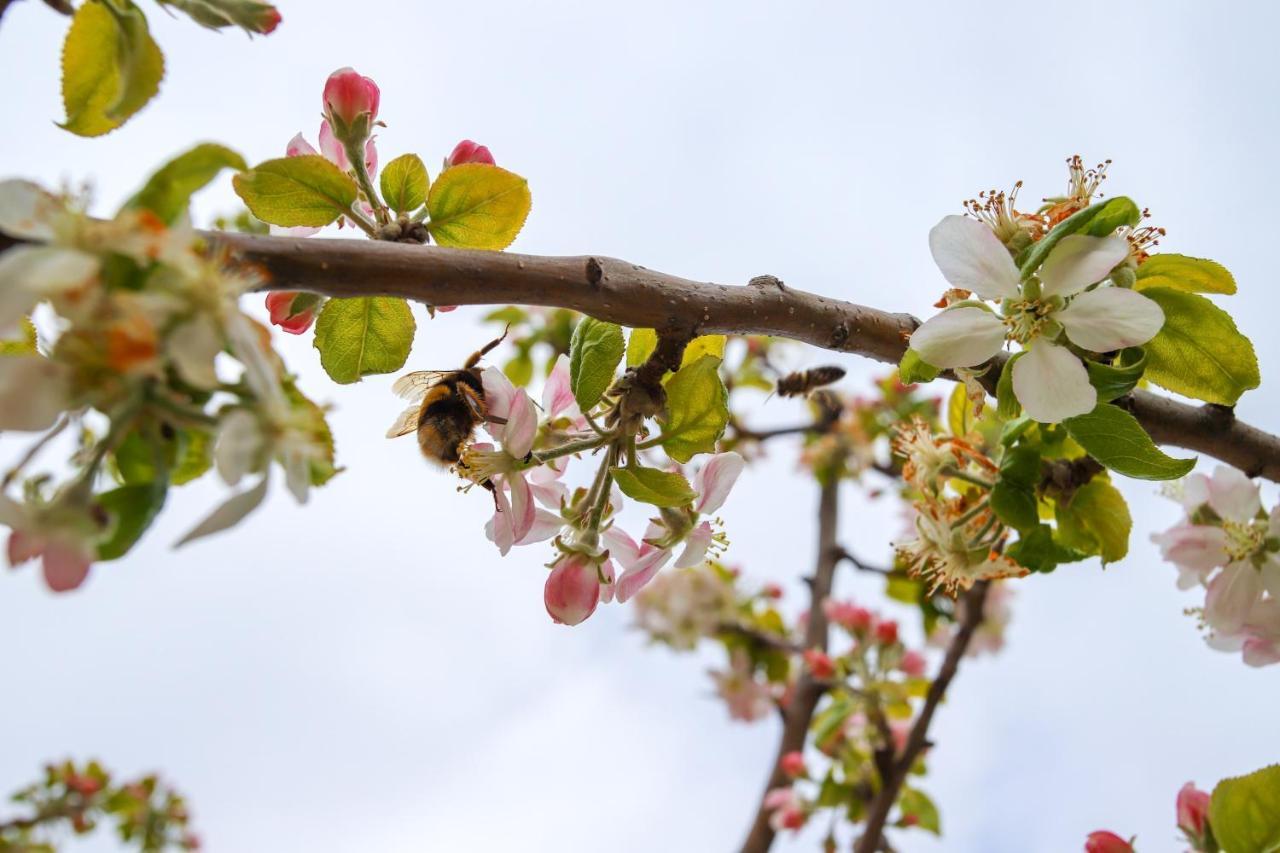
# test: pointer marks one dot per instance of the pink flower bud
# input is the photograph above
(820, 664)
(467, 151)
(793, 764)
(887, 632)
(913, 664)
(1106, 842)
(772, 590)
(573, 590)
(350, 104)
(292, 311)
(1193, 809)
(264, 20)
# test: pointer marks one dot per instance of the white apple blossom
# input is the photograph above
(1049, 380)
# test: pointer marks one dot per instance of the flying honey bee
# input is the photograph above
(803, 381)
(447, 407)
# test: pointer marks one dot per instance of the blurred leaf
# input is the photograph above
(1245, 812)
(168, 192)
(228, 514)
(132, 509)
(249, 15)
(918, 805)
(913, 369)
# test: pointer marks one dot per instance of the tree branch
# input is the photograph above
(631, 295)
(808, 690)
(878, 813)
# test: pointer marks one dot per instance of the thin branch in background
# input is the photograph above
(878, 813)
(861, 566)
(808, 690)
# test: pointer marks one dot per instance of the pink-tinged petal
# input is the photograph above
(371, 157)
(293, 231)
(23, 547)
(695, 547)
(545, 525)
(621, 546)
(1231, 596)
(972, 257)
(1233, 495)
(715, 479)
(641, 572)
(332, 149)
(1192, 809)
(1196, 548)
(544, 482)
(347, 95)
(557, 396)
(498, 395)
(1260, 652)
(522, 426)
(1195, 492)
(299, 146)
(65, 567)
(523, 510)
(572, 590)
(1271, 576)
(1110, 318)
(1052, 384)
(959, 337)
(499, 528)
(608, 585)
(1078, 261)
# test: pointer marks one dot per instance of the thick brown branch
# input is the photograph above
(808, 690)
(891, 784)
(631, 295)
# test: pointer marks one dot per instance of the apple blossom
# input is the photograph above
(60, 534)
(820, 664)
(467, 151)
(912, 664)
(793, 764)
(1102, 841)
(682, 606)
(887, 632)
(1049, 380)
(1193, 811)
(747, 698)
(293, 311)
(350, 105)
(788, 810)
(573, 588)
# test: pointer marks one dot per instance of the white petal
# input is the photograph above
(1231, 596)
(1232, 495)
(1080, 260)
(971, 256)
(26, 211)
(1110, 318)
(228, 514)
(297, 473)
(1052, 384)
(714, 480)
(960, 337)
(1271, 576)
(33, 392)
(239, 444)
(30, 274)
(522, 425)
(193, 346)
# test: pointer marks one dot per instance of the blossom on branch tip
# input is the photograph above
(573, 588)
(350, 105)
(467, 151)
(62, 539)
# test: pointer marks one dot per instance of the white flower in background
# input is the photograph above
(62, 536)
(1049, 380)
(1229, 544)
(33, 392)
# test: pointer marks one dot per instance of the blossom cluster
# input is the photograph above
(1229, 545)
(1192, 813)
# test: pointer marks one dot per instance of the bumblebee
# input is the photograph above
(803, 381)
(447, 407)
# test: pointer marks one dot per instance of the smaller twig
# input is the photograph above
(35, 448)
(764, 638)
(845, 554)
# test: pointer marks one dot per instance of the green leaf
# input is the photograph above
(252, 16)
(519, 369)
(1118, 378)
(1116, 439)
(111, 67)
(652, 486)
(324, 468)
(25, 344)
(168, 191)
(1038, 551)
(697, 410)
(195, 457)
(1013, 498)
(405, 183)
(642, 343)
(1199, 351)
(362, 336)
(132, 509)
(1096, 521)
(960, 417)
(1180, 272)
(1245, 812)
(1097, 220)
(291, 191)
(1007, 405)
(594, 353)
(477, 206)
(917, 804)
(913, 369)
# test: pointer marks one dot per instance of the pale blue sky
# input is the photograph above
(367, 674)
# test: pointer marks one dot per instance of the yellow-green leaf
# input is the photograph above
(653, 486)
(1245, 812)
(292, 191)
(1199, 351)
(111, 67)
(697, 409)
(405, 183)
(1180, 272)
(477, 206)
(168, 191)
(1096, 521)
(362, 336)
(643, 342)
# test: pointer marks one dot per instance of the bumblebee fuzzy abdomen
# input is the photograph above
(445, 422)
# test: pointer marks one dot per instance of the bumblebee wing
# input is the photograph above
(405, 424)
(414, 386)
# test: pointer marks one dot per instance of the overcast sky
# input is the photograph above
(368, 674)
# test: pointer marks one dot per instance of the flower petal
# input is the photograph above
(332, 149)
(33, 392)
(193, 346)
(65, 567)
(239, 444)
(621, 546)
(27, 211)
(30, 274)
(522, 426)
(557, 396)
(959, 337)
(1052, 384)
(498, 395)
(1271, 576)
(971, 256)
(1231, 596)
(695, 548)
(1232, 495)
(1110, 318)
(545, 525)
(715, 479)
(499, 527)
(299, 146)
(640, 573)
(523, 509)
(1078, 261)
